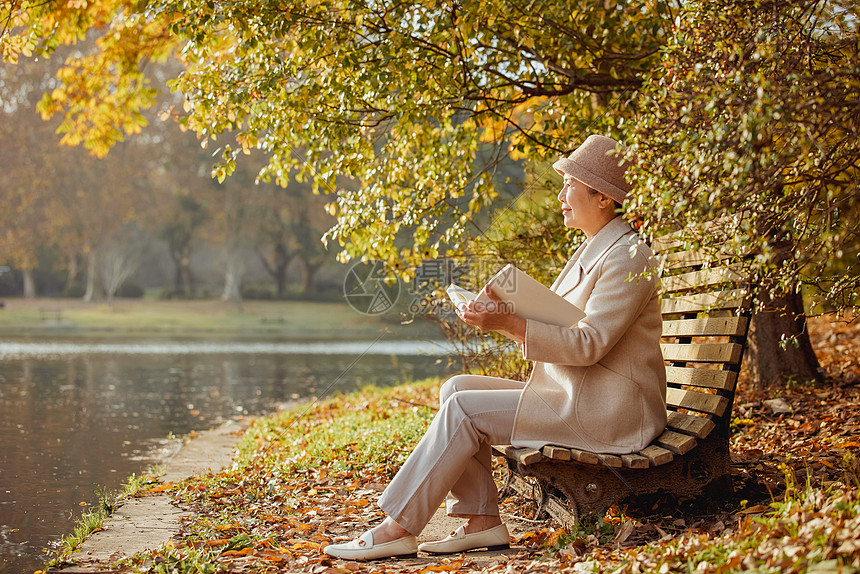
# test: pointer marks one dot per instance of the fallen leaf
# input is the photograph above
(757, 509)
(624, 532)
(242, 552)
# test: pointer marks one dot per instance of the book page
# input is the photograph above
(523, 296)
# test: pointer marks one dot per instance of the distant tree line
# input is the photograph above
(76, 225)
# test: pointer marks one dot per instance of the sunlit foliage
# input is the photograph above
(406, 110)
(753, 115)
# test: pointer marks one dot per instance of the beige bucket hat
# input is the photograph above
(599, 164)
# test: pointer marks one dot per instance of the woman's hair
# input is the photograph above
(618, 206)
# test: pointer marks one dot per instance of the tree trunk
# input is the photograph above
(189, 278)
(278, 267)
(768, 362)
(187, 274)
(310, 273)
(178, 283)
(29, 283)
(182, 279)
(280, 283)
(94, 286)
(72, 277)
(233, 280)
(279, 271)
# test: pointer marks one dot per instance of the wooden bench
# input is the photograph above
(52, 315)
(706, 314)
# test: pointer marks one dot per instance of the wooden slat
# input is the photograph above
(693, 425)
(694, 401)
(635, 461)
(714, 301)
(708, 327)
(583, 456)
(523, 455)
(610, 460)
(676, 442)
(692, 258)
(657, 455)
(707, 378)
(703, 353)
(701, 278)
(666, 242)
(556, 452)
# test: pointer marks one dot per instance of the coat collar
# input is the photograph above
(600, 243)
(589, 253)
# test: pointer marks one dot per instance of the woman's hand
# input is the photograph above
(495, 315)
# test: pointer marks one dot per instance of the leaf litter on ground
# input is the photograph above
(311, 476)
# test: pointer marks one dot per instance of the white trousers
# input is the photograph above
(453, 458)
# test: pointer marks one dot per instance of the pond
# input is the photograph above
(77, 417)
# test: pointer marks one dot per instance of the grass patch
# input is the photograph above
(93, 520)
(370, 429)
(88, 523)
(299, 319)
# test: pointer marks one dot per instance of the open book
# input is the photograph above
(525, 296)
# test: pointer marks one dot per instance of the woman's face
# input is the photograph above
(581, 208)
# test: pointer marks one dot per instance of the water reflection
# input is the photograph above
(75, 416)
(20, 349)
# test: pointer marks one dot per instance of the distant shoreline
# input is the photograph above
(296, 320)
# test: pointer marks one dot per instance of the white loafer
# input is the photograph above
(363, 548)
(496, 538)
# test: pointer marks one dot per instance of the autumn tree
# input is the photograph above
(307, 222)
(753, 119)
(24, 180)
(290, 222)
(59, 198)
(274, 247)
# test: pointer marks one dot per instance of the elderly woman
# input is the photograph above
(599, 385)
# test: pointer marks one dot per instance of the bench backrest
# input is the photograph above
(706, 315)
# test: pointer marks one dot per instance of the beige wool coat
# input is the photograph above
(600, 385)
